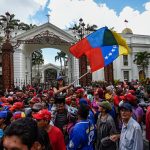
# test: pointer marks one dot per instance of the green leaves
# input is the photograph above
(8, 22)
(61, 55)
(82, 27)
(142, 59)
(37, 58)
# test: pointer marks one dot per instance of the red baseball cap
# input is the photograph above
(51, 93)
(34, 100)
(122, 97)
(132, 92)
(45, 91)
(130, 98)
(17, 105)
(80, 91)
(42, 114)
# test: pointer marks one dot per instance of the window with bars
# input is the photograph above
(125, 60)
(126, 75)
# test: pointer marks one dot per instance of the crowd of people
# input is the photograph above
(97, 117)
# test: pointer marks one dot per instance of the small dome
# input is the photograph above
(127, 31)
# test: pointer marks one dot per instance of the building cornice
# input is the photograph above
(44, 26)
(50, 65)
(139, 45)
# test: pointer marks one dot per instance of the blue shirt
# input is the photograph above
(131, 136)
(82, 136)
(91, 117)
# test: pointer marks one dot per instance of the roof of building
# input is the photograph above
(127, 31)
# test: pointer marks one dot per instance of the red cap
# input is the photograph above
(5, 104)
(122, 97)
(10, 99)
(4, 99)
(34, 100)
(45, 91)
(130, 98)
(132, 92)
(17, 105)
(42, 114)
(31, 89)
(68, 101)
(51, 93)
(80, 91)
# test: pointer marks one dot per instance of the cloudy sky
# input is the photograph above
(64, 13)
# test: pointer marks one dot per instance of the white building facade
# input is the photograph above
(124, 68)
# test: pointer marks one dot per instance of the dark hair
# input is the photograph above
(59, 99)
(2, 93)
(83, 111)
(57, 84)
(89, 91)
(43, 139)
(119, 91)
(25, 128)
(7, 121)
(20, 90)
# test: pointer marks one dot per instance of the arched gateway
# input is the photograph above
(44, 36)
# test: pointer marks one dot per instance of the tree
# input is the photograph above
(26, 27)
(91, 28)
(8, 24)
(81, 30)
(61, 56)
(8, 21)
(37, 60)
(142, 59)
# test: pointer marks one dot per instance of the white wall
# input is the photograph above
(98, 75)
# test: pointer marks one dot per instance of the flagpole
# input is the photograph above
(81, 77)
(126, 21)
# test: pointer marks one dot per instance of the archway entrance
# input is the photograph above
(50, 75)
(45, 39)
(44, 36)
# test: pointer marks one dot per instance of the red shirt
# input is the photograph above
(56, 139)
(116, 100)
(148, 123)
(3, 99)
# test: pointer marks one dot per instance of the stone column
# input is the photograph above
(108, 73)
(83, 70)
(7, 65)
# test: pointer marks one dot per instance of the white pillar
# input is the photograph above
(75, 70)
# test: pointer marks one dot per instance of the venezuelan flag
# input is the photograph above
(101, 48)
